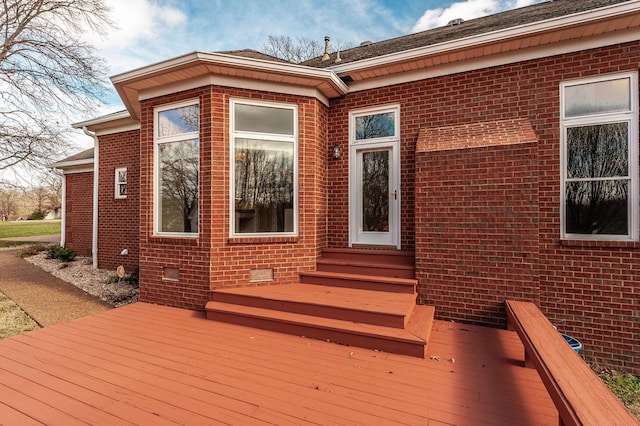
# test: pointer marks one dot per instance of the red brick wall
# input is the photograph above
(119, 218)
(213, 260)
(477, 240)
(79, 216)
(590, 291)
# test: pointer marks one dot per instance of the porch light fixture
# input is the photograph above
(337, 151)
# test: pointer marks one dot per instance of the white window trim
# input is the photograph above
(268, 136)
(383, 109)
(156, 171)
(631, 117)
(119, 183)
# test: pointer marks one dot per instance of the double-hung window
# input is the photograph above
(599, 125)
(265, 169)
(176, 169)
(121, 182)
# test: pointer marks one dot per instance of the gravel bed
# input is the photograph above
(100, 283)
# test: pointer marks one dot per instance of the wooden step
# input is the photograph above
(356, 267)
(387, 339)
(364, 282)
(394, 257)
(347, 304)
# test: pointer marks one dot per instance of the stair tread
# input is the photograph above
(362, 277)
(390, 333)
(322, 295)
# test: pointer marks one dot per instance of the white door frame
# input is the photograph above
(357, 237)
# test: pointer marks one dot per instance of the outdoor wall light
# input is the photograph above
(337, 151)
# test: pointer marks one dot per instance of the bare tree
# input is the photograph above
(300, 49)
(48, 75)
(9, 195)
(47, 193)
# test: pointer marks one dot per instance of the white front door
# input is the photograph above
(374, 202)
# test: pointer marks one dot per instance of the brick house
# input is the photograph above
(479, 148)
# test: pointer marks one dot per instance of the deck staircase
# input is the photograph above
(364, 298)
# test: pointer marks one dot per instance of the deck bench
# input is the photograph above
(577, 392)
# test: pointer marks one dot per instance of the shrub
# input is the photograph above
(64, 254)
(36, 215)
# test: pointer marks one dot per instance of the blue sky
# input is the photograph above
(150, 31)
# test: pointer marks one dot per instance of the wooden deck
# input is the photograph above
(147, 364)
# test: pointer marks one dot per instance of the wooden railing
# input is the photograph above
(577, 392)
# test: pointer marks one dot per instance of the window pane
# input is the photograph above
(375, 191)
(598, 151)
(598, 97)
(179, 120)
(261, 119)
(598, 207)
(264, 186)
(178, 186)
(375, 126)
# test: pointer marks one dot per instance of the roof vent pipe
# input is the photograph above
(325, 57)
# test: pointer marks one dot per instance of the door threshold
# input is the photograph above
(375, 246)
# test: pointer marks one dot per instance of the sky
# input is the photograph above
(150, 31)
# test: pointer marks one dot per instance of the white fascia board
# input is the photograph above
(68, 164)
(491, 37)
(235, 62)
(120, 115)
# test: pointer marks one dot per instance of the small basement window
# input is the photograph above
(121, 182)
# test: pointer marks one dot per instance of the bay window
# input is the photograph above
(176, 169)
(264, 169)
(599, 124)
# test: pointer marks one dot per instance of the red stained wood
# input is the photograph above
(579, 394)
(149, 364)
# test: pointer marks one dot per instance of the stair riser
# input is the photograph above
(375, 318)
(374, 257)
(363, 285)
(373, 270)
(337, 336)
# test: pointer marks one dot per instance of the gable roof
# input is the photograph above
(76, 161)
(508, 19)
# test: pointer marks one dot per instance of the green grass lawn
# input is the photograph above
(29, 228)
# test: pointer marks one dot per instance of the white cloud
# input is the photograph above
(137, 22)
(466, 10)
(139, 19)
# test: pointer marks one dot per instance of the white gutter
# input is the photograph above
(96, 169)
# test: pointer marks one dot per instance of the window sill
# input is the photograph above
(599, 243)
(175, 240)
(263, 240)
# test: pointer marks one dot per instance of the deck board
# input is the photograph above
(144, 362)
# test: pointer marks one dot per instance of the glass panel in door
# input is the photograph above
(375, 191)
